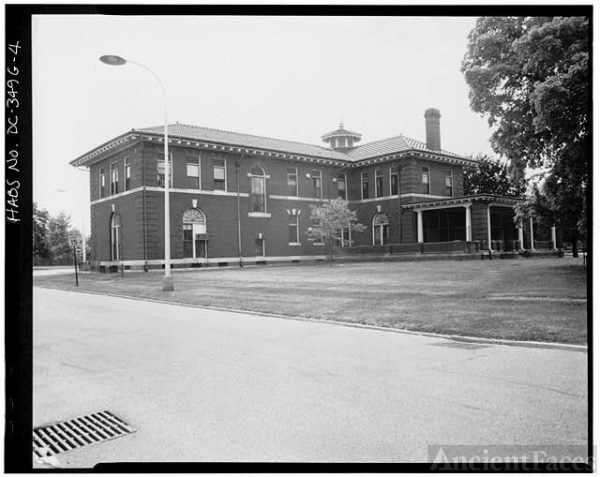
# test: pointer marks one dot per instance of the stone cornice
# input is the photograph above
(121, 142)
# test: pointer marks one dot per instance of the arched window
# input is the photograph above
(194, 234)
(115, 236)
(381, 226)
(258, 190)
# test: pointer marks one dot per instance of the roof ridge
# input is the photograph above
(409, 142)
(382, 140)
(244, 134)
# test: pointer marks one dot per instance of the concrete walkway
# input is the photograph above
(205, 385)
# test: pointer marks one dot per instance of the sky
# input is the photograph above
(291, 78)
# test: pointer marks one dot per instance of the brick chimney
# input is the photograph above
(432, 129)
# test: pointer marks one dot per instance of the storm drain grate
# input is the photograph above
(75, 433)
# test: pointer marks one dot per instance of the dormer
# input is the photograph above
(341, 139)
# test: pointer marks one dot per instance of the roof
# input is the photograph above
(467, 199)
(393, 145)
(341, 131)
(377, 149)
(245, 140)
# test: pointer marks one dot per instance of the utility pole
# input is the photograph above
(239, 225)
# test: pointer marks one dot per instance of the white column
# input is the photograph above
(520, 227)
(420, 226)
(468, 232)
(553, 232)
(489, 227)
(531, 233)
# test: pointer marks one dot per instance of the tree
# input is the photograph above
(328, 222)
(490, 176)
(529, 76)
(58, 235)
(41, 242)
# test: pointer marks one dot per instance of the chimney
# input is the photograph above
(432, 129)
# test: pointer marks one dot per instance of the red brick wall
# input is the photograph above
(221, 209)
(412, 174)
(408, 227)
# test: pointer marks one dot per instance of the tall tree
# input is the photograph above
(41, 242)
(490, 176)
(58, 235)
(328, 221)
(530, 77)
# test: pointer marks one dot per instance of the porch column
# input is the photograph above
(531, 233)
(489, 227)
(520, 227)
(553, 232)
(420, 226)
(468, 233)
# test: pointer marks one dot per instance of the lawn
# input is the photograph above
(525, 299)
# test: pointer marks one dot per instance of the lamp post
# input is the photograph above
(114, 60)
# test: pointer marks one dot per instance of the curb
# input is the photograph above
(467, 339)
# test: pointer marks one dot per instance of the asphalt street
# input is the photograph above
(204, 385)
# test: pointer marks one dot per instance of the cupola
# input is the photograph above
(341, 139)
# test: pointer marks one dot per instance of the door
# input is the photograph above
(259, 247)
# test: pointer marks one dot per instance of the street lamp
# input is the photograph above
(114, 60)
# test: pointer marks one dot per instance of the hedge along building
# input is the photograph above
(238, 197)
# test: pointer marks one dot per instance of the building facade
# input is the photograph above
(237, 197)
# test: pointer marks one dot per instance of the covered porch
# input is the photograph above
(485, 220)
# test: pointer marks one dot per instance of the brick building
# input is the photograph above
(233, 193)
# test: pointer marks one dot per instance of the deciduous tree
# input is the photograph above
(328, 221)
(490, 176)
(58, 235)
(41, 242)
(530, 77)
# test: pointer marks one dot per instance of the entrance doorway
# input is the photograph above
(381, 228)
(259, 247)
(194, 234)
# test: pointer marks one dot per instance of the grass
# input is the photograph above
(533, 300)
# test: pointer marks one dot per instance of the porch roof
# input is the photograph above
(468, 199)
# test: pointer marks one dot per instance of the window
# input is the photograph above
(364, 179)
(425, 180)
(346, 236)
(394, 182)
(381, 226)
(194, 234)
(314, 233)
(258, 199)
(161, 174)
(316, 184)
(293, 235)
(292, 181)
(102, 183)
(378, 183)
(341, 185)
(114, 179)
(115, 237)
(127, 174)
(193, 175)
(449, 183)
(219, 174)
(160, 166)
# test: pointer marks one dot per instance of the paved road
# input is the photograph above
(204, 385)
